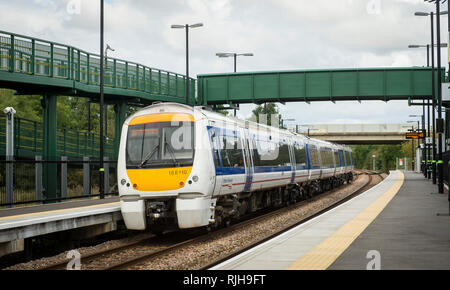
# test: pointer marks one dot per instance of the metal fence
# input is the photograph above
(29, 140)
(77, 178)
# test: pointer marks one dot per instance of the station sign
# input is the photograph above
(415, 135)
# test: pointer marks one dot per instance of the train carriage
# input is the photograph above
(191, 167)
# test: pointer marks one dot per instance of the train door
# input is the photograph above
(291, 144)
(336, 161)
(215, 147)
(249, 168)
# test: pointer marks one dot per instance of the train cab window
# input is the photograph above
(300, 156)
(160, 145)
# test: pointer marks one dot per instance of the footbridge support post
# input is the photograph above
(120, 110)
(50, 180)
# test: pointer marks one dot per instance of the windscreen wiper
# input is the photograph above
(149, 155)
(172, 153)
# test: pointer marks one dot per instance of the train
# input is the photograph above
(190, 167)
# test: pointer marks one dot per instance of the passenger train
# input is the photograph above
(191, 167)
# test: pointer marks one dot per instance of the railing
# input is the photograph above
(32, 56)
(75, 179)
(28, 140)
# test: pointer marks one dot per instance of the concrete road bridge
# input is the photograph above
(359, 133)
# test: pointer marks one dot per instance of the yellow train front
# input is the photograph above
(165, 175)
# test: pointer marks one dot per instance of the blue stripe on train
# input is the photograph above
(258, 169)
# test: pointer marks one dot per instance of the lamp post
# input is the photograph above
(439, 121)
(433, 149)
(234, 55)
(427, 46)
(439, 101)
(187, 26)
(101, 169)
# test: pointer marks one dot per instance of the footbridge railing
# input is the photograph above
(38, 62)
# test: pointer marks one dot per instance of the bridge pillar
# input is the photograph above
(120, 111)
(50, 179)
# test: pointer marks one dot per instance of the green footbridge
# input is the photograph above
(359, 84)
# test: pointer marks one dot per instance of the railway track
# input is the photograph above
(153, 247)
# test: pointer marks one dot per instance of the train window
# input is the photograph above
(215, 147)
(350, 154)
(231, 152)
(314, 156)
(300, 155)
(283, 158)
(160, 145)
(267, 153)
(348, 158)
(327, 157)
(336, 158)
(177, 143)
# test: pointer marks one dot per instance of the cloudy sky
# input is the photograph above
(282, 34)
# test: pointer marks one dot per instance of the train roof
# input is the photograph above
(215, 116)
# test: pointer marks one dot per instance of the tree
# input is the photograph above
(220, 109)
(268, 110)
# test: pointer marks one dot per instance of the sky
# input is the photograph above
(282, 35)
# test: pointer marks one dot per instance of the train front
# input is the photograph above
(163, 177)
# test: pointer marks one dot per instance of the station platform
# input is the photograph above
(95, 216)
(394, 225)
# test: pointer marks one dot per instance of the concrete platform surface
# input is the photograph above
(408, 233)
(92, 217)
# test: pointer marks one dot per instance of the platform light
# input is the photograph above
(428, 14)
(187, 26)
(235, 55)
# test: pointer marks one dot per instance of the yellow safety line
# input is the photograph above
(324, 254)
(58, 210)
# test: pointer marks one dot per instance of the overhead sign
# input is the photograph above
(415, 135)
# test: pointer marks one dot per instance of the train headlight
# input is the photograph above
(195, 178)
(123, 181)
